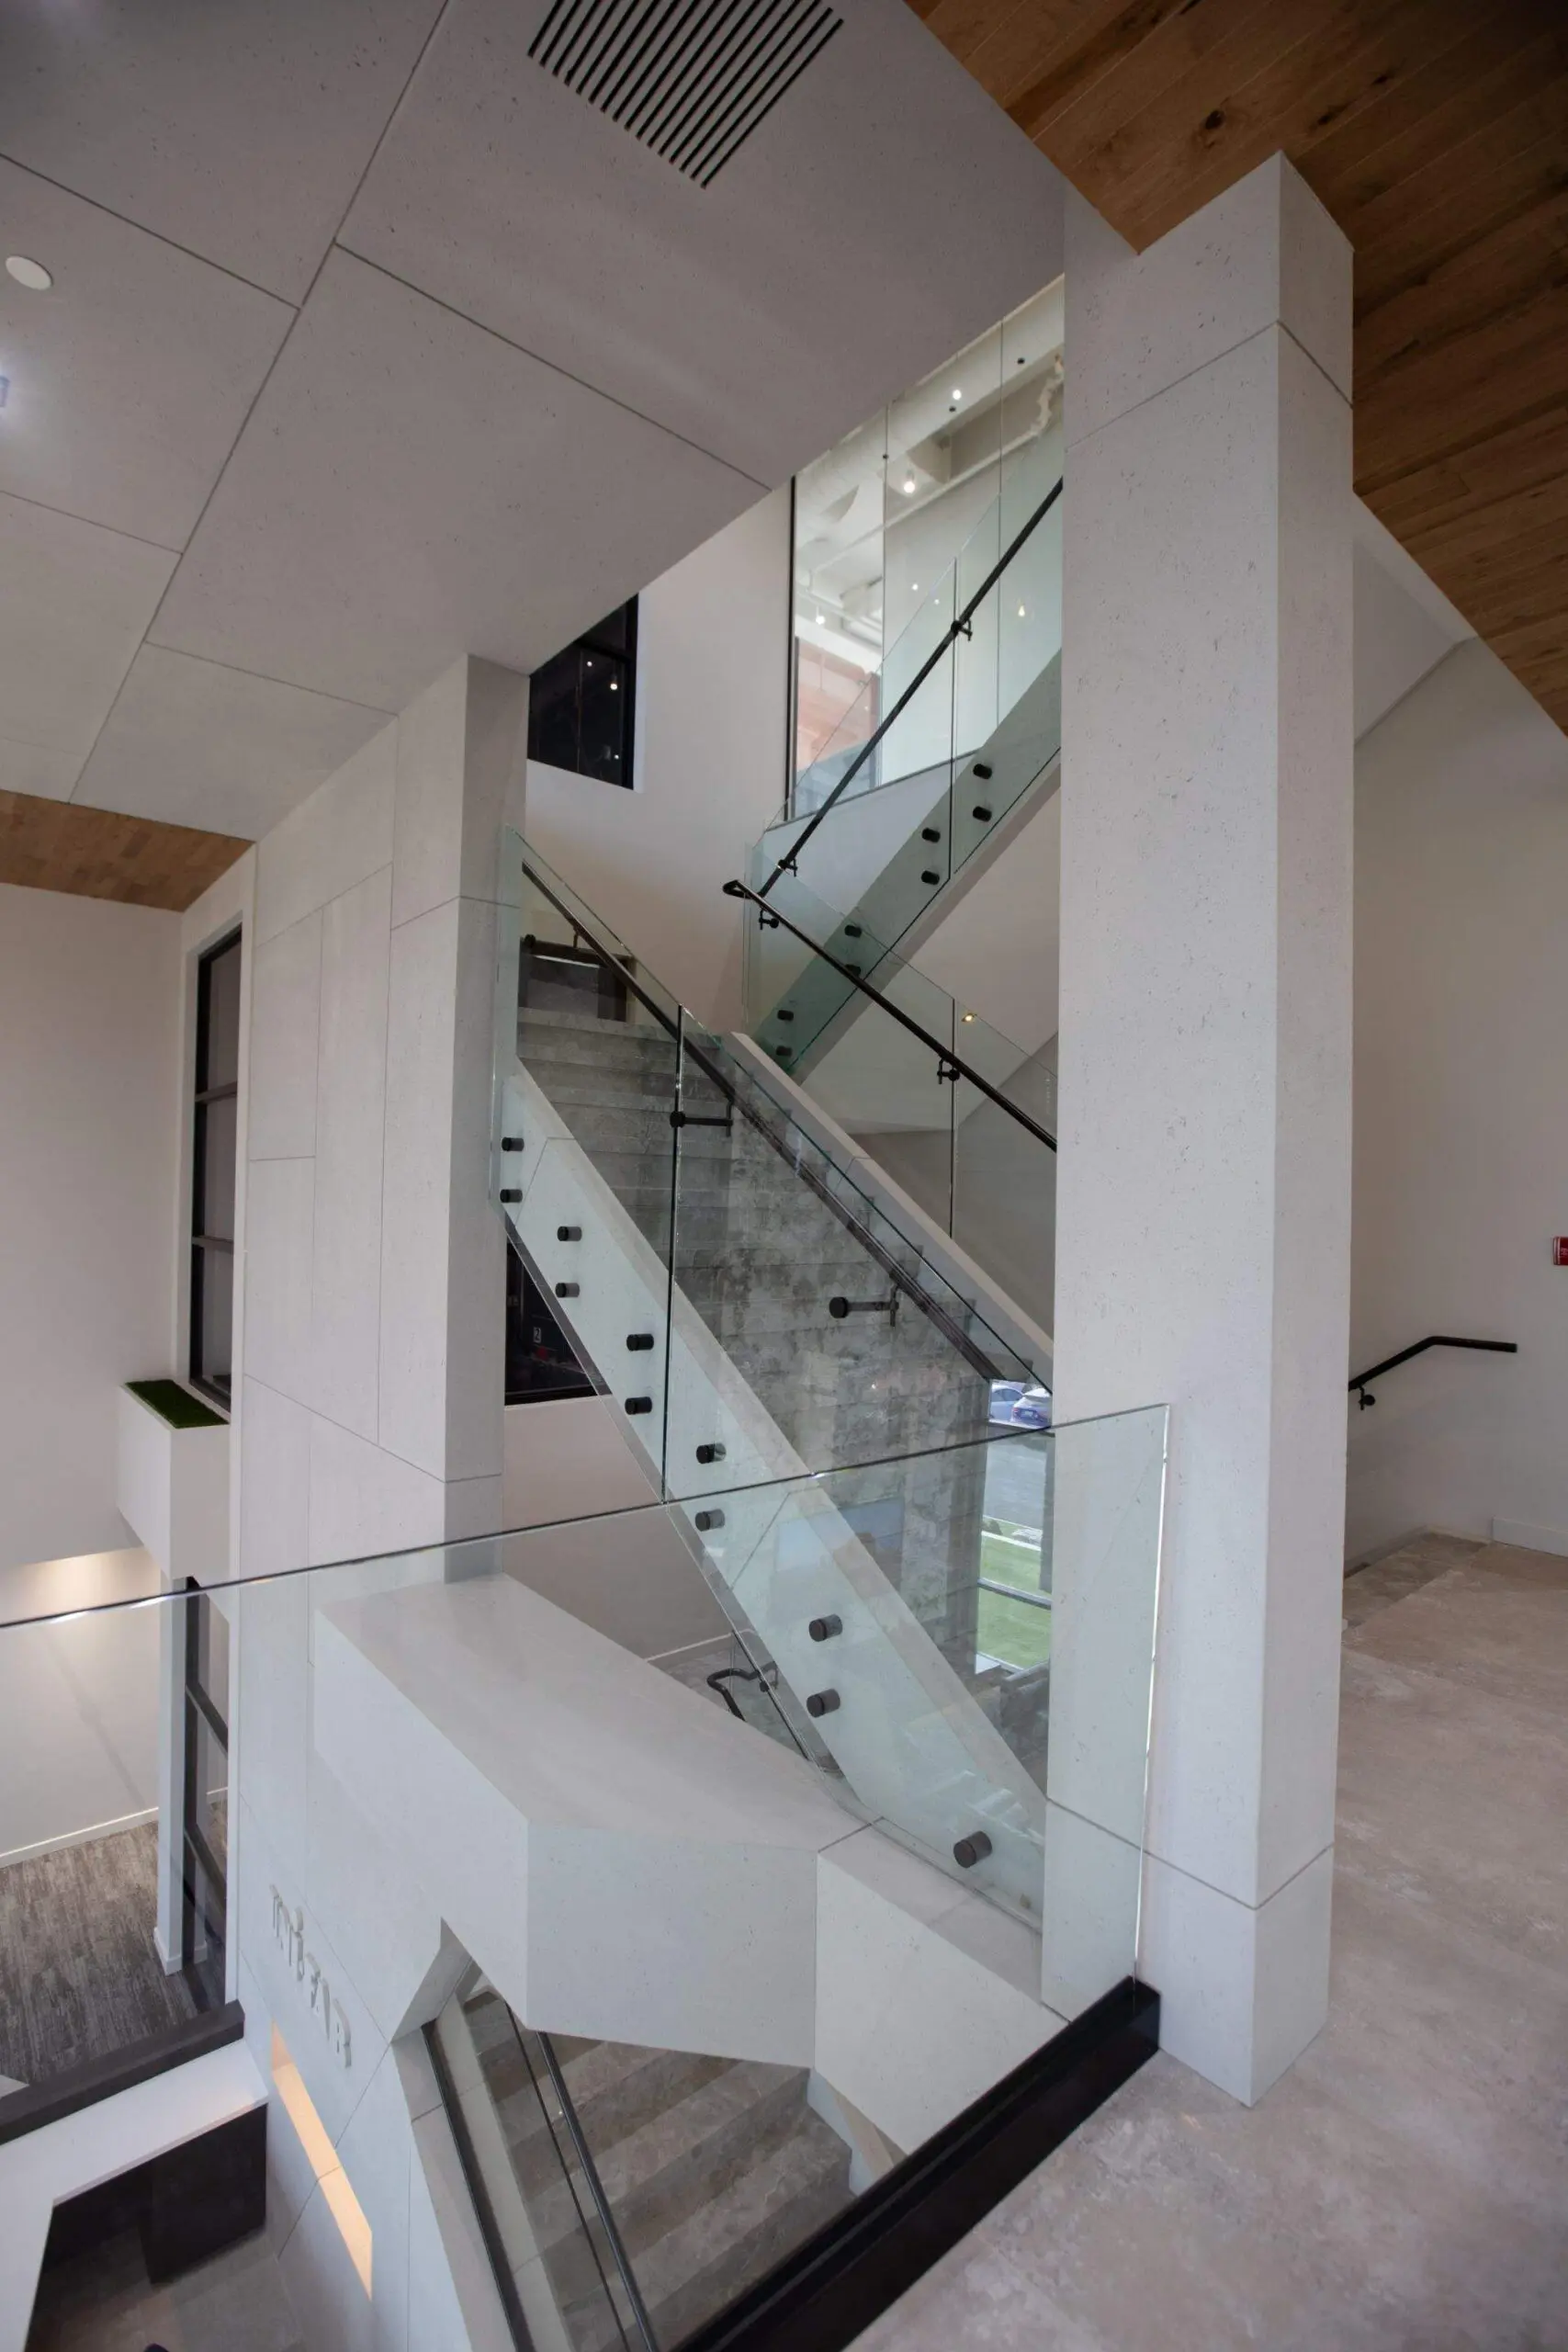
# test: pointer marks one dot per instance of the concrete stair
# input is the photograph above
(713, 2170)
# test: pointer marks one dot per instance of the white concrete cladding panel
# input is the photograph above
(1203, 1194)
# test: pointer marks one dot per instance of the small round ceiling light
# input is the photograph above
(909, 485)
(31, 273)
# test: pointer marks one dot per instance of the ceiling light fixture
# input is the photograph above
(31, 273)
(958, 391)
(908, 485)
(969, 1016)
(1021, 614)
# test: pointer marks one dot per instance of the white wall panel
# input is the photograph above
(351, 1084)
(89, 1081)
(286, 1011)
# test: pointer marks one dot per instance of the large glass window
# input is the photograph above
(582, 703)
(213, 1156)
(897, 529)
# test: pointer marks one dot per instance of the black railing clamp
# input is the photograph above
(840, 1307)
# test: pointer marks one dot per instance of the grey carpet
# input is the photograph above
(80, 1976)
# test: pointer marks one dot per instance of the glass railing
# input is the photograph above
(961, 1117)
(979, 632)
(563, 2271)
(689, 1981)
(952, 1646)
(751, 1310)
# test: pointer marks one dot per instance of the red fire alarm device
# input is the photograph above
(1560, 1251)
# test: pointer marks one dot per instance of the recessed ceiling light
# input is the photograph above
(908, 485)
(31, 273)
(969, 1016)
(1021, 614)
(914, 587)
(958, 391)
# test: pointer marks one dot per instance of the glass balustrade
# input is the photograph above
(953, 1646)
(961, 718)
(961, 1117)
(737, 1292)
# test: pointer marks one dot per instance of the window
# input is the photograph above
(204, 1844)
(539, 1359)
(212, 1169)
(581, 703)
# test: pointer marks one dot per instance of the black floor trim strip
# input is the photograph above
(39, 2103)
(822, 2295)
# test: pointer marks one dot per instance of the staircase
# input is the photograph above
(869, 856)
(712, 2170)
(802, 1380)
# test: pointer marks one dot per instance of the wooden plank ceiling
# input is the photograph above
(59, 845)
(1436, 135)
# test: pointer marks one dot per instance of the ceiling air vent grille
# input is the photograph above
(690, 78)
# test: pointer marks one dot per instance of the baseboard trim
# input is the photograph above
(78, 1837)
(826, 2293)
(1530, 1538)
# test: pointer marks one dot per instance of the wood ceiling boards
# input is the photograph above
(1436, 135)
(59, 845)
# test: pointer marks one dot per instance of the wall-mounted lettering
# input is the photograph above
(288, 1934)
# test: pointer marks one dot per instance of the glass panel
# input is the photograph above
(81, 1715)
(586, 1085)
(216, 1127)
(212, 1279)
(808, 1331)
(540, 1364)
(566, 2274)
(580, 702)
(981, 1174)
(221, 982)
(960, 1642)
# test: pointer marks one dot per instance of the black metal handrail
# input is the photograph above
(1358, 1380)
(949, 1065)
(876, 1248)
(595, 2187)
(955, 628)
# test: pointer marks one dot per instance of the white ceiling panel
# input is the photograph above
(33, 769)
(193, 743)
(75, 602)
(881, 216)
(410, 488)
(235, 128)
(129, 379)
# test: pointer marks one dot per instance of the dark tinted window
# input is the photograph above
(212, 1169)
(582, 704)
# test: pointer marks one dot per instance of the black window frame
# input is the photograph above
(211, 1255)
(612, 641)
(204, 1879)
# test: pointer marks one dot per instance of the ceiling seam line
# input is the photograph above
(174, 244)
(286, 338)
(88, 523)
(555, 367)
(267, 678)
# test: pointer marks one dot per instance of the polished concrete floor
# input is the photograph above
(104, 2302)
(1404, 2189)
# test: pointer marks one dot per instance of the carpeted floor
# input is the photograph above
(80, 1976)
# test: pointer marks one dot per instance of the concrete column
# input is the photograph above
(1204, 1209)
(372, 1366)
